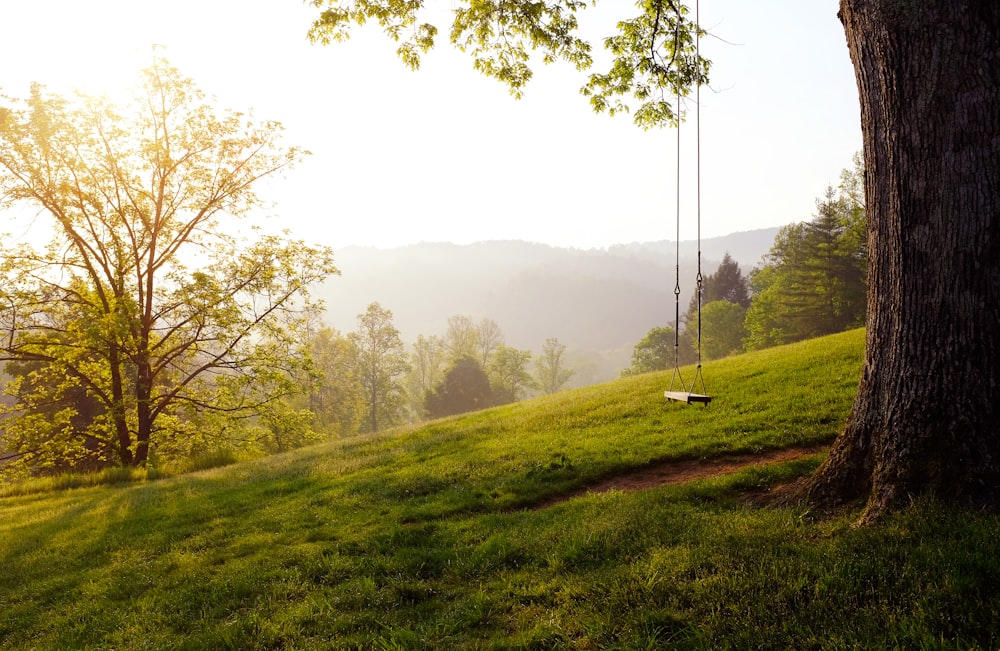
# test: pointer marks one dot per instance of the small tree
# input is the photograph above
(508, 374)
(489, 339)
(461, 338)
(465, 387)
(426, 363)
(381, 359)
(551, 373)
(656, 351)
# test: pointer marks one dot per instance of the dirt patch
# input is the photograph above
(685, 470)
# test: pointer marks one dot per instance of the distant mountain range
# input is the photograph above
(596, 300)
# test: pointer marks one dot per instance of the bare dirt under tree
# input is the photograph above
(679, 471)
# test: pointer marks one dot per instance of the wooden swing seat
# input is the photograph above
(685, 396)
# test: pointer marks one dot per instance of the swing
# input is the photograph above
(687, 392)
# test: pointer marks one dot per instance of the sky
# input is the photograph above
(446, 155)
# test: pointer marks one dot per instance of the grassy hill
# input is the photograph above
(439, 537)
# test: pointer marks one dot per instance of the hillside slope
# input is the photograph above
(423, 539)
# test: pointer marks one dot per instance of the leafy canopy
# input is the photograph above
(145, 321)
(654, 54)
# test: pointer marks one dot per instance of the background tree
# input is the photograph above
(813, 281)
(508, 374)
(727, 283)
(336, 396)
(426, 371)
(461, 338)
(489, 339)
(465, 388)
(723, 331)
(142, 298)
(551, 373)
(382, 361)
(656, 351)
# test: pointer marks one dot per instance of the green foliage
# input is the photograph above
(655, 62)
(381, 364)
(814, 279)
(428, 538)
(658, 351)
(143, 313)
(726, 284)
(426, 369)
(465, 387)
(335, 395)
(722, 329)
(508, 375)
(551, 373)
(654, 54)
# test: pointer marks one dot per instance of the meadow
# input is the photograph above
(455, 535)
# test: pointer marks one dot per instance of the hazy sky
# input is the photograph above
(444, 154)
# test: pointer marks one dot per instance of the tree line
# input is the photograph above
(812, 282)
(371, 381)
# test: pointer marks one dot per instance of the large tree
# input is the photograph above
(144, 299)
(928, 77)
(925, 416)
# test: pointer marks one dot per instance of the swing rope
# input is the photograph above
(686, 394)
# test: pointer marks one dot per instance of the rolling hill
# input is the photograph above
(446, 536)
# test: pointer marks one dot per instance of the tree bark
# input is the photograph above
(925, 419)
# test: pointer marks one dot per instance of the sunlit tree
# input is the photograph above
(508, 374)
(723, 331)
(658, 350)
(335, 395)
(144, 298)
(381, 365)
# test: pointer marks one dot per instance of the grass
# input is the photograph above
(426, 538)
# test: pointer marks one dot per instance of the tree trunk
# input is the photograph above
(144, 414)
(925, 419)
(118, 417)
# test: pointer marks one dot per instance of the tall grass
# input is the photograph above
(427, 538)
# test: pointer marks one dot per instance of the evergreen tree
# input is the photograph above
(726, 284)
(813, 281)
